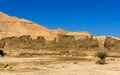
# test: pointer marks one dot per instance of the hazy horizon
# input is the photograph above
(97, 17)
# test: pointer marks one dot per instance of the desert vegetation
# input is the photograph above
(102, 57)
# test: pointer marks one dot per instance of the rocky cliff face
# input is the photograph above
(26, 38)
(13, 26)
(25, 34)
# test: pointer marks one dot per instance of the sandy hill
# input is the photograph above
(13, 26)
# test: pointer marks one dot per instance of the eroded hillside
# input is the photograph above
(13, 26)
(16, 34)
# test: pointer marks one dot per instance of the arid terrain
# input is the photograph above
(59, 66)
(31, 49)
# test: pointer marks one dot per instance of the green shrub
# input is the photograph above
(102, 56)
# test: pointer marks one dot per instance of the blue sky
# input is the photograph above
(99, 17)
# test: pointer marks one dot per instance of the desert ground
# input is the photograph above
(58, 66)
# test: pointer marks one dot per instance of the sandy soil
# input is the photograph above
(56, 66)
